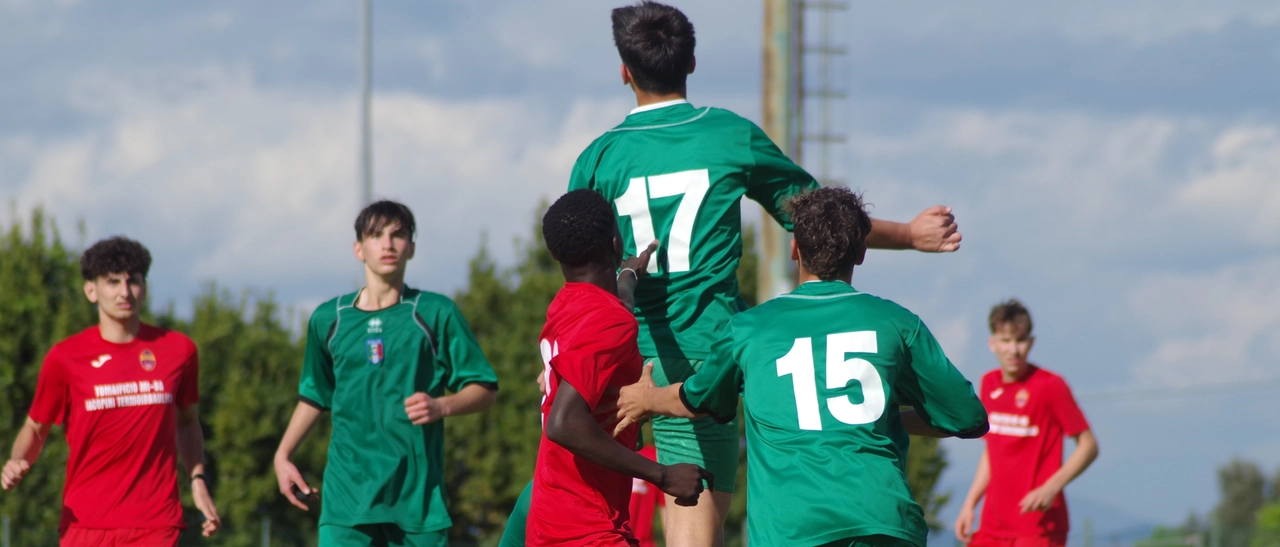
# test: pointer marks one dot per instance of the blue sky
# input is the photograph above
(1112, 164)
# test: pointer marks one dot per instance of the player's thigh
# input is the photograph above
(980, 539)
(702, 442)
(700, 525)
(1038, 541)
(399, 538)
(513, 535)
(111, 537)
(869, 541)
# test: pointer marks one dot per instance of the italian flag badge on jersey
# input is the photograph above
(375, 351)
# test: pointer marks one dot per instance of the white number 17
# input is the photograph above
(634, 203)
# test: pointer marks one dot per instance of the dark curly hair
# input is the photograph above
(579, 229)
(1009, 312)
(379, 214)
(831, 229)
(115, 255)
(656, 43)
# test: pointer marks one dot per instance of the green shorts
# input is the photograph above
(700, 441)
(379, 535)
(513, 535)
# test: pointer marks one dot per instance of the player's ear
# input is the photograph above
(860, 256)
(626, 75)
(409, 250)
(795, 251)
(693, 63)
(355, 248)
(91, 292)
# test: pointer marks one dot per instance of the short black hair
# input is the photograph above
(831, 227)
(579, 229)
(115, 255)
(379, 214)
(1011, 312)
(656, 43)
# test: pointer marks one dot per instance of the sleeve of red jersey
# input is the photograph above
(189, 392)
(590, 363)
(1066, 411)
(50, 403)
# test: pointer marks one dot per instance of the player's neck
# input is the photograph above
(116, 331)
(380, 292)
(645, 98)
(807, 276)
(600, 276)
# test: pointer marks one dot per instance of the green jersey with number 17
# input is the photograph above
(677, 174)
(822, 371)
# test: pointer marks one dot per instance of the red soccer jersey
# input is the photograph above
(1029, 419)
(118, 404)
(645, 499)
(589, 341)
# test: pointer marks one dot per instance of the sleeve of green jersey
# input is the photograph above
(939, 393)
(774, 177)
(715, 388)
(461, 354)
(316, 386)
(584, 173)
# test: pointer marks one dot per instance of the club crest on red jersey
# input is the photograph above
(375, 351)
(147, 360)
(1021, 398)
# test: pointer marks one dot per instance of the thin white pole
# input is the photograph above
(366, 101)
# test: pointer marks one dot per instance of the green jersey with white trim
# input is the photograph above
(822, 372)
(677, 174)
(362, 365)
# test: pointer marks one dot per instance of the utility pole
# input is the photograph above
(783, 122)
(366, 102)
(783, 118)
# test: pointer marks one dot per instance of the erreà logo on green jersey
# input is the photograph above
(375, 326)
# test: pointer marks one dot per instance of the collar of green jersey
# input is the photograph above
(822, 289)
(675, 113)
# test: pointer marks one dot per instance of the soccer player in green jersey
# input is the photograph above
(380, 360)
(677, 173)
(823, 372)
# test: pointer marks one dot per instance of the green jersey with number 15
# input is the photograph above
(822, 371)
(677, 174)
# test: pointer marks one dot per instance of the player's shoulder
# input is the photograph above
(165, 336)
(593, 305)
(86, 337)
(327, 312)
(1046, 377)
(426, 302)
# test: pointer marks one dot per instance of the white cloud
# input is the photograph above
(1241, 188)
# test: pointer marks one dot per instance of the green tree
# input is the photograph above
(1267, 533)
(43, 303)
(1241, 484)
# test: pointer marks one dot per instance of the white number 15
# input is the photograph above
(799, 364)
(634, 203)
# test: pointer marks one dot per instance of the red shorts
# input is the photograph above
(984, 540)
(120, 537)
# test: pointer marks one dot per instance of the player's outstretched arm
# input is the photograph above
(287, 474)
(629, 275)
(916, 425)
(932, 231)
(26, 448)
(1085, 453)
(641, 400)
(423, 409)
(191, 450)
(981, 478)
(570, 424)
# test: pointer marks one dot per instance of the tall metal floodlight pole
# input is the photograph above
(366, 100)
(782, 119)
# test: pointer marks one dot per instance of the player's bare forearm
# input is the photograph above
(934, 230)
(629, 275)
(304, 416)
(886, 234)
(571, 425)
(1084, 455)
(190, 440)
(470, 399)
(30, 441)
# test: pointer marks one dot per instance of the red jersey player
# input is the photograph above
(582, 482)
(1021, 472)
(645, 500)
(126, 393)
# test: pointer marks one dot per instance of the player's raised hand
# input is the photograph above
(935, 231)
(204, 502)
(964, 524)
(640, 263)
(631, 401)
(292, 484)
(14, 470)
(1039, 499)
(683, 481)
(423, 409)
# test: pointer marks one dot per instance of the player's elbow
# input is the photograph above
(976, 432)
(559, 430)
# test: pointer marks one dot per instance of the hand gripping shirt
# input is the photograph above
(822, 371)
(119, 405)
(678, 174)
(362, 365)
(589, 341)
(1029, 418)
